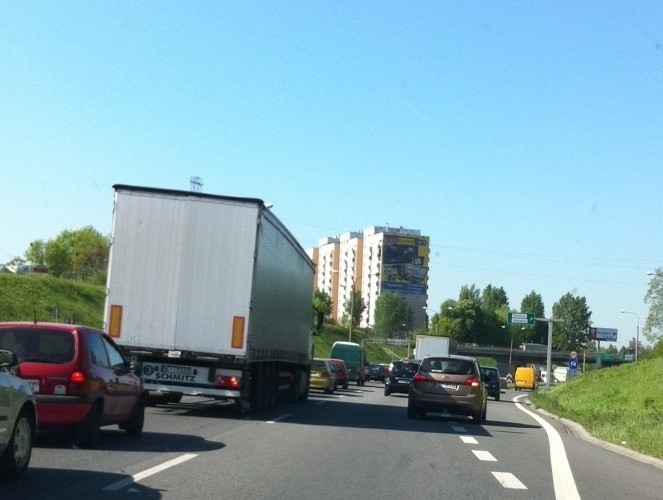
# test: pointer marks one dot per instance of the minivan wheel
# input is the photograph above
(14, 461)
(86, 434)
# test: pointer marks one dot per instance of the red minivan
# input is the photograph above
(79, 377)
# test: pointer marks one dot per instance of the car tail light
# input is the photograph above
(324, 374)
(78, 385)
(419, 377)
(473, 382)
(229, 382)
(77, 378)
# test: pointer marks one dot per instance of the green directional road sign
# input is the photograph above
(520, 319)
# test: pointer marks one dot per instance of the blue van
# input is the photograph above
(355, 359)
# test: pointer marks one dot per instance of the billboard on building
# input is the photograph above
(405, 264)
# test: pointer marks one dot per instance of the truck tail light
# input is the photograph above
(226, 382)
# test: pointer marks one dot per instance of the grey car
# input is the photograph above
(448, 383)
(17, 420)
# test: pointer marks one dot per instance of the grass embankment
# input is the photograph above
(622, 405)
(30, 297)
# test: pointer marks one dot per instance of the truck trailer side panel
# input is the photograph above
(281, 307)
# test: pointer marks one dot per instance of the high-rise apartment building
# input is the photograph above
(379, 259)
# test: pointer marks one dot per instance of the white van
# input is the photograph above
(560, 374)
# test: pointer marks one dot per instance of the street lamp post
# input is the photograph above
(637, 331)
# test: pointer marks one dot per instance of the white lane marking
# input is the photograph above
(565, 485)
(468, 440)
(508, 480)
(146, 473)
(278, 419)
(484, 455)
(458, 429)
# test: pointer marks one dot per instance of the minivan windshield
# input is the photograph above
(38, 345)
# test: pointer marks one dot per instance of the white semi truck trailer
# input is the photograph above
(210, 296)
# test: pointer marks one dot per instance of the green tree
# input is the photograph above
(58, 257)
(493, 298)
(532, 303)
(90, 255)
(463, 322)
(80, 255)
(322, 302)
(391, 313)
(571, 332)
(36, 253)
(653, 328)
(470, 292)
(354, 307)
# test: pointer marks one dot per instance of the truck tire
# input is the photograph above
(296, 384)
(273, 384)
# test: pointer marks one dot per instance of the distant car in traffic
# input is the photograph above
(524, 378)
(322, 375)
(18, 417)
(399, 376)
(79, 377)
(448, 383)
(340, 372)
(376, 372)
(491, 378)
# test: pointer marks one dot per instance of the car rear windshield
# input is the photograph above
(405, 369)
(448, 366)
(38, 345)
(491, 374)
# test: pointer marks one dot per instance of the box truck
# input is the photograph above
(210, 296)
(431, 345)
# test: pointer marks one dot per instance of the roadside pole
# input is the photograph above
(550, 322)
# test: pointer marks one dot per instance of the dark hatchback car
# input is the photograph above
(399, 376)
(376, 372)
(78, 376)
(448, 383)
(491, 378)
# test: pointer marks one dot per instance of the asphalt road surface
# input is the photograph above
(355, 443)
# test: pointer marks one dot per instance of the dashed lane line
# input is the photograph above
(279, 418)
(509, 481)
(484, 456)
(146, 473)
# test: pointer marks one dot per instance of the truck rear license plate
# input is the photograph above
(176, 370)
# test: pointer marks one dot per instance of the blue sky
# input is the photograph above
(526, 140)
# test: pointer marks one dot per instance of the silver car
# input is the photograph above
(17, 420)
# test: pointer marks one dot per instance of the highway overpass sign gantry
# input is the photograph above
(520, 319)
